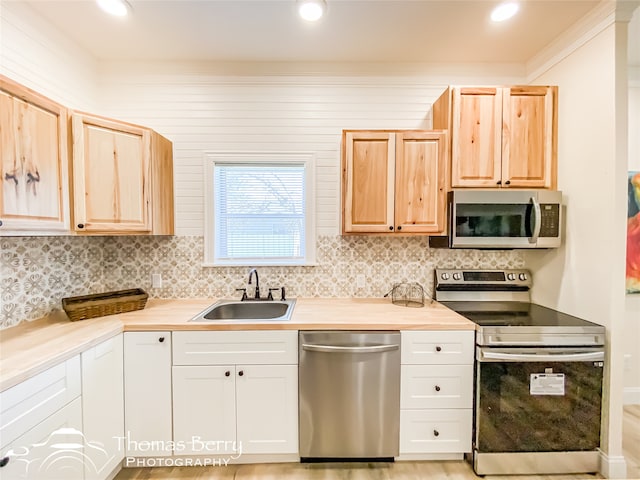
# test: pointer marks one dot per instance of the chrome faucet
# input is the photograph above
(253, 270)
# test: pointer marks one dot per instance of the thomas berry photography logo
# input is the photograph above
(64, 454)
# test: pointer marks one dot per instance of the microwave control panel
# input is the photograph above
(550, 220)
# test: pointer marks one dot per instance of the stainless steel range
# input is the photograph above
(538, 376)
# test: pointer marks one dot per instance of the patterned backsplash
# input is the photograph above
(37, 272)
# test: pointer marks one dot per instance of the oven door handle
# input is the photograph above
(541, 357)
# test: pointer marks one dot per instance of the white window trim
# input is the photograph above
(302, 158)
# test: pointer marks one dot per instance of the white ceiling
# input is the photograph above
(415, 31)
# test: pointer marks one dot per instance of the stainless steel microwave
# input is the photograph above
(505, 219)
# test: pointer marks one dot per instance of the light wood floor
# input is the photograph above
(457, 470)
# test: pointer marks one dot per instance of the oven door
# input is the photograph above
(538, 399)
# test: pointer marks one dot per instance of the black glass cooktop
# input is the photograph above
(515, 314)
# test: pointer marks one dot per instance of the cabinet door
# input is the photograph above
(476, 132)
(34, 180)
(204, 409)
(110, 175)
(103, 406)
(420, 201)
(147, 393)
(267, 408)
(368, 181)
(529, 140)
(51, 450)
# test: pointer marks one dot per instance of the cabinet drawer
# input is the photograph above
(435, 431)
(30, 402)
(436, 386)
(51, 450)
(437, 347)
(227, 348)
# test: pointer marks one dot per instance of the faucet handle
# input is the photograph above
(244, 293)
(270, 296)
(282, 294)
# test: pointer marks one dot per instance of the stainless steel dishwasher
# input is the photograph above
(349, 393)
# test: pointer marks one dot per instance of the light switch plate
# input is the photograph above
(156, 280)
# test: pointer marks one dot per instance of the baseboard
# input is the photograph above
(631, 395)
(612, 467)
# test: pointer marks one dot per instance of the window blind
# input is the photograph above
(259, 211)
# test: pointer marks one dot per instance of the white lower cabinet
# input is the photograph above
(103, 407)
(147, 394)
(436, 393)
(235, 408)
(267, 408)
(204, 409)
(41, 426)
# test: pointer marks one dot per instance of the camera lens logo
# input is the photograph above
(65, 454)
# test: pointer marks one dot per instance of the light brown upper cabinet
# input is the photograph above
(500, 136)
(34, 191)
(122, 178)
(393, 182)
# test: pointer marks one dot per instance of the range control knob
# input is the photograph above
(445, 276)
(522, 276)
(457, 276)
(511, 276)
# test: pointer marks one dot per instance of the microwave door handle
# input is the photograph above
(536, 215)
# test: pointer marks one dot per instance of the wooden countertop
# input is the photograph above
(32, 347)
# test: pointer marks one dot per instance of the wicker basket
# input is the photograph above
(101, 304)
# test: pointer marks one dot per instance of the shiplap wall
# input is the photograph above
(209, 112)
(42, 58)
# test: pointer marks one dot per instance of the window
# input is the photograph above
(259, 209)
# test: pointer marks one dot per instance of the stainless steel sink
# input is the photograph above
(277, 310)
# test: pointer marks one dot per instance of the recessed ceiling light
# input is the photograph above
(504, 11)
(118, 8)
(311, 10)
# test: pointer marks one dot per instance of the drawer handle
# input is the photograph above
(161, 339)
(4, 461)
(438, 348)
(227, 373)
(437, 387)
(436, 433)
(241, 373)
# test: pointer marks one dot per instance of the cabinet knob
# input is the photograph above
(0, 223)
(391, 228)
(437, 388)
(241, 373)
(4, 461)
(81, 225)
(161, 339)
(227, 373)
(436, 433)
(499, 182)
(438, 348)
(508, 182)
(399, 227)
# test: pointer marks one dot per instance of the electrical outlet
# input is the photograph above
(627, 362)
(156, 280)
(360, 281)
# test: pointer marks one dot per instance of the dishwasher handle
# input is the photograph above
(341, 349)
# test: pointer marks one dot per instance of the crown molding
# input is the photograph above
(598, 19)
